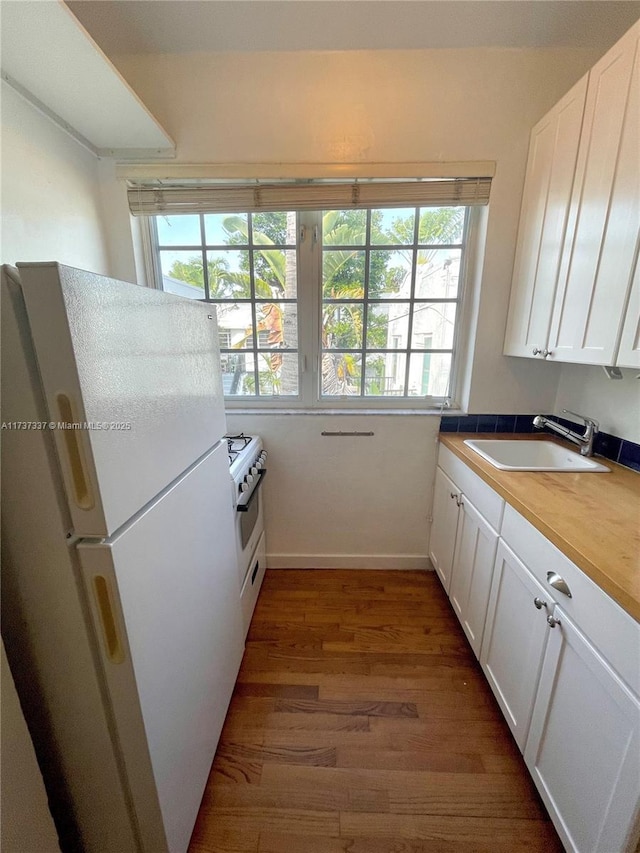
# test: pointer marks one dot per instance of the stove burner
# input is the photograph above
(245, 439)
(236, 444)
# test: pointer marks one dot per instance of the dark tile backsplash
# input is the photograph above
(610, 446)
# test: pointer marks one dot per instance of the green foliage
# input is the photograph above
(269, 266)
(374, 376)
(190, 272)
(344, 259)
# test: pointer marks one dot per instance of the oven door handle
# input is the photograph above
(245, 507)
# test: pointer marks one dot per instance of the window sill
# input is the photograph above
(432, 412)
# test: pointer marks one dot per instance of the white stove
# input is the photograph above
(247, 461)
(246, 453)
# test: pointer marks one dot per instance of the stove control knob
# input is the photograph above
(253, 470)
(249, 479)
(263, 456)
(244, 487)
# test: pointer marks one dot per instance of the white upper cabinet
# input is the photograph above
(629, 352)
(553, 152)
(596, 267)
(577, 249)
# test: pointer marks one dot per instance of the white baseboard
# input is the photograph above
(349, 561)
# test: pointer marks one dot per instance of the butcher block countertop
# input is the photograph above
(594, 518)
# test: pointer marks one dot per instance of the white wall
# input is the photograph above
(348, 502)
(122, 231)
(51, 204)
(51, 210)
(614, 403)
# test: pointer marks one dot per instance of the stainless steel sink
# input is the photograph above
(511, 455)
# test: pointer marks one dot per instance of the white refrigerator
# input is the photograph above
(121, 609)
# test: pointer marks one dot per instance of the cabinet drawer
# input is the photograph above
(488, 503)
(612, 631)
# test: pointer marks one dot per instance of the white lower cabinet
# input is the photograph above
(583, 749)
(514, 640)
(466, 517)
(444, 526)
(562, 658)
(475, 551)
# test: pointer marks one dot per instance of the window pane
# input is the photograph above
(341, 373)
(278, 373)
(384, 272)
(390, 274)
(235, 322)
(429, 374)
(182, 273)
(388, 325)
(390, 227)
(229, 274)
(277, 325)
(343, 274)
(344, 227)
(384, 375)
(178, 230)
(221, 229)
(275, 273)
(237, 374)
(278, 228)
(435, 321)
(438, 273)
(341, 325)
(441, 225)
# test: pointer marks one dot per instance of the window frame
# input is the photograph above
(309, 308)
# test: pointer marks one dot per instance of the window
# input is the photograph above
(339, 307)
(390, 298)
(245, 264)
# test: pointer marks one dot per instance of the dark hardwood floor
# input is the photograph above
(361, 722)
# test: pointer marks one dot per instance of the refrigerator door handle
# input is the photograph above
(113, 646)
(75, 454)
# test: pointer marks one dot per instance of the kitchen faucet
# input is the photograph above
(585, 441)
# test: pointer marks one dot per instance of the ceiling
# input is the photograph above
(186, 26)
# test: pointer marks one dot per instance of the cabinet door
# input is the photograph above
(629, 352)
(583, 749)
(443, 527)
(553, 152)
(515, 636)
(597, 263)
(475, 553)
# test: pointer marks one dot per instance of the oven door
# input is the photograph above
(249, 525)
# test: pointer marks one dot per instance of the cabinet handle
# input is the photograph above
(454, 497)
(546, 352)
(536, 350)
(559, 583)
(552, 621)
(539, 603)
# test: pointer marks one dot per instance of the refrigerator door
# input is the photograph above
(44, 617)
(141, 368)
(166, 610)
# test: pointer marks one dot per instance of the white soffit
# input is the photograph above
(53, 62)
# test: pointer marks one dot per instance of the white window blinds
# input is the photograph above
(170, 199)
